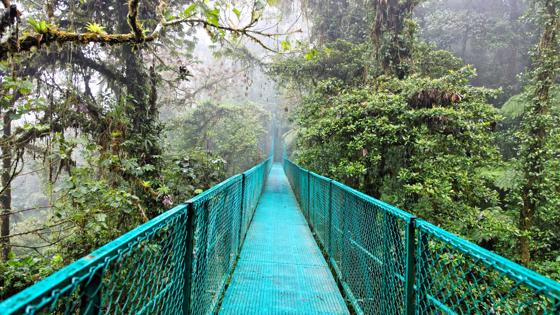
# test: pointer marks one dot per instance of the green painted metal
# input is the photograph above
(389, 262)
(177, 263)
(410, 238)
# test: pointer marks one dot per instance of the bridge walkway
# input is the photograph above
(281, 269)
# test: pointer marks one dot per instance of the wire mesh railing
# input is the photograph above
(389, 262)
(177, 263)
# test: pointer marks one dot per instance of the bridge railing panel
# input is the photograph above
(390, 262)
(177, 263)
(254, 181)
(141, 271)
(454, 275)
(222, 217)
(369, 250)
(298, 179)
(217, 242)
(319, 205)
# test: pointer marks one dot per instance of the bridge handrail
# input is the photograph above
(389, 262)
(176, 263)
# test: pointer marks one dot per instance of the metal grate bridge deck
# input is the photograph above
(281, 269)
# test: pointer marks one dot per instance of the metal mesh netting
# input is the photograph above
(220, 228)
(368, 250)
(218, 220)
(253, 181)
(454, 275)
(177, 263)
(319, 205)
(389, 262)
(142, 271)
(299, 180)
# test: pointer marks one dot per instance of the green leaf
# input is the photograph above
(311, 54)
(25, 87)
(213, 16)
(190, 10)
(237, 12)
(38, 26)
(286, 45)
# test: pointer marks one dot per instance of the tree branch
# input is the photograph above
(133, 20)
(47, 227)
(52, 35)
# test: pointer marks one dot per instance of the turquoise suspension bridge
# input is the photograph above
(279, 239)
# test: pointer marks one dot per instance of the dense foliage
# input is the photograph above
(82, 87)
(230, 131)
(411, 128)
(430, 158)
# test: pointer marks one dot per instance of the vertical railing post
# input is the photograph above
(189, 258)
(308, 199)
(410, 239)
(385, 268)
(243, 196)
(329, 232)
(421, 255)
(91, 300)
(345, 243)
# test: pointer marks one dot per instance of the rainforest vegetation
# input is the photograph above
(115, 111)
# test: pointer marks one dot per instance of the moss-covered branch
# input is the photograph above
(133, 20)
(30, 42)
(136, 36)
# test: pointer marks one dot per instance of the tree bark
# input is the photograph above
(6, 178)
(514, 15)
(393, 47)
(536, 124)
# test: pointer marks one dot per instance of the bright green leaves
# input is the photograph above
(21, 86)
(93, 27)
(190, 10)
(426, 157)
(237, 12)
(18, 271)
(213, 16)
(310, 54)
(286, 45)
(39, 26)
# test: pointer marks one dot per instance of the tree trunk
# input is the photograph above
(391, 39)
(514, 15)
(6, 197)
(466, 36)
(537, 121)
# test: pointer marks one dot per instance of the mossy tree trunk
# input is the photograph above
(393, 35)
(537, 124)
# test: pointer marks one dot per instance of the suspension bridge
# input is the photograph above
(278, 239)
